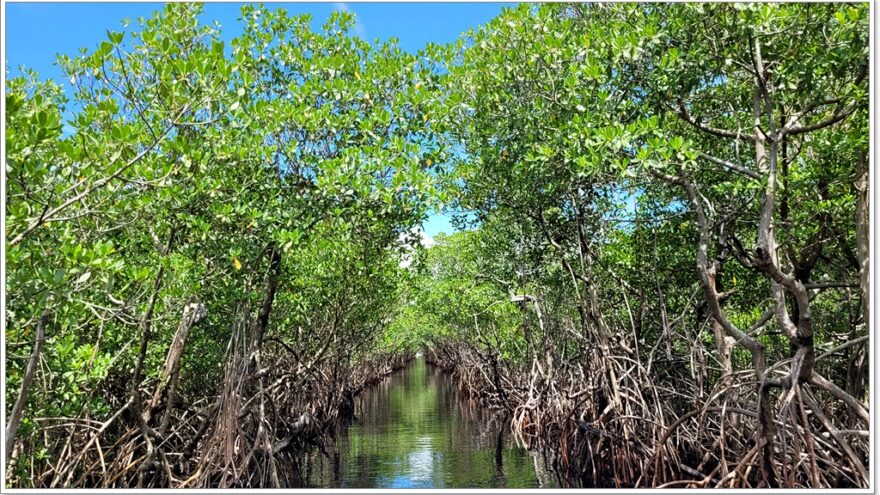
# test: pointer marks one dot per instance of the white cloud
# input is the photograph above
(416, 233)
(359, 28)
(424, 239)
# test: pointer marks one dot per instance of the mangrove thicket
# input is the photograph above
(660, 273)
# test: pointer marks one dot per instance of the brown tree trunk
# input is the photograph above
(708, 275)
(262, 322)
(193, 313)
(723, 345)
(863, 232)
(21, 402)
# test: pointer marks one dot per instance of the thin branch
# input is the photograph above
(732, 166)
(686, 116)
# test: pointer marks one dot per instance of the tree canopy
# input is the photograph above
(661, 273)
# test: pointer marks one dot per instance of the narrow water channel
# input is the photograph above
(415, 430)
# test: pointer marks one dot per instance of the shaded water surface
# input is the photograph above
(414, 430)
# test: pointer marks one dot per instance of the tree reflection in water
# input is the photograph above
(415, 430)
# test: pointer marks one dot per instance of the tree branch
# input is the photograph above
(686, 116)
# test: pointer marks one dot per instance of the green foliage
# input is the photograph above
(184, 163)
(285, 171)
(453, 296)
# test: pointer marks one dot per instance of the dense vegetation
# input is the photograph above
(663, 277)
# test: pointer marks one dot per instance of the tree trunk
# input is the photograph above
(18, 409)
(863, 232)
(266, 308)
(193, 313)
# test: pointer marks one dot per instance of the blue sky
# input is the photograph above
(36, 32)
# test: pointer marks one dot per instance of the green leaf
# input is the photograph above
(115, 37)
(105, 48)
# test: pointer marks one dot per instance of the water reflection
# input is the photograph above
(413, 430)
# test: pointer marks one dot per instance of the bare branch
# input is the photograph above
(732, 166)
(686, 116)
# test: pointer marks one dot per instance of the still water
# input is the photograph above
(415, 430)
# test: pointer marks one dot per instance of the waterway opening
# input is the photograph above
(415, 429)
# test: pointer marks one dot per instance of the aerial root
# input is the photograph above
(269, 412)
(647, 439)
